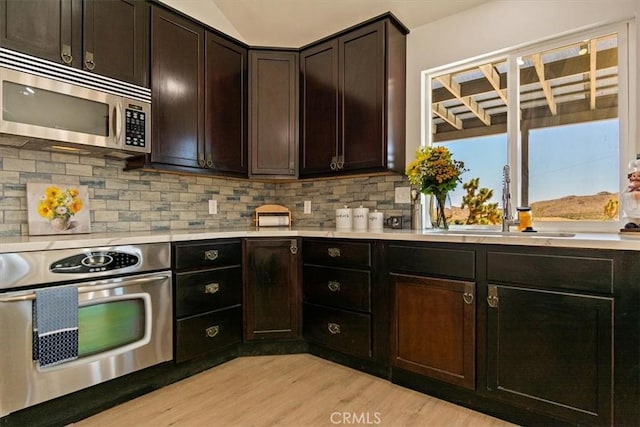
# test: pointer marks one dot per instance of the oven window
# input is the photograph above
(109, 325)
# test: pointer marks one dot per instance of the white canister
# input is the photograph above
(360, 218)
(376, 221)
(344, 218)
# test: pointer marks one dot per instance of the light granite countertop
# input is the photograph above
(616, 241)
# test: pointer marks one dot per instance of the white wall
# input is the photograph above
(499, 25)
(207, 13)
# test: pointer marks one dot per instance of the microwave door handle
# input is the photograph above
(117, 120)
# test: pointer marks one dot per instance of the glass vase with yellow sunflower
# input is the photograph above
(59, 206)
(434, 171)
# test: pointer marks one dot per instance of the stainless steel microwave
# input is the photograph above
(50, 106)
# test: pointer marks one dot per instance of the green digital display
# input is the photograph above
(109, 325)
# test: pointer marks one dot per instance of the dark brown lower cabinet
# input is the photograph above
(433, 333)
(271, 290)
(551, 352)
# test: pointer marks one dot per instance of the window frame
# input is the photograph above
(625, 31)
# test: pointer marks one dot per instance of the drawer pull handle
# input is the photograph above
(333, 286)
(333, 252)
(211, 255)
(212, 331)
(211, 288)
(333, 328)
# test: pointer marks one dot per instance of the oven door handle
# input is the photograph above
(95, 286)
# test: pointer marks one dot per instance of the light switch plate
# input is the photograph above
(403, 195)
(307, 206)
(213, 207)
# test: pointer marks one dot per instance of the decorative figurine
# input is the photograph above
(630, 199)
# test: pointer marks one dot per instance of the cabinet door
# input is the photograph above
(434, 328)
(273, 93)
(39, 28)
(319, 108)
(116, 39)
(177, 61)
(551, 352)
(271, 294)
(226, 106)
(362, 98)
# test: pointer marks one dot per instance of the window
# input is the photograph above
(555, 112)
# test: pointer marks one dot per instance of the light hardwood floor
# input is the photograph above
(290, 391)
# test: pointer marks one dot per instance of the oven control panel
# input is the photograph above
(92, 262)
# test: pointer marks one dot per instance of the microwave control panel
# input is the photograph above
(135, 128)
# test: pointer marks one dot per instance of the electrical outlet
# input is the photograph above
(307, 206)
(403, 195)
(213, 207)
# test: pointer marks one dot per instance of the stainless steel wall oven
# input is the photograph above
(124, 317)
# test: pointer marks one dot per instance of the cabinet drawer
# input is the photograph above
(337, 287)
(432, 261)
(208, 254)
(209, 332)
(551, 271)
(340, 330)
(208, 290)
(337, 253)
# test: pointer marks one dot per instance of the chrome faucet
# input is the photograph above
(507, 218)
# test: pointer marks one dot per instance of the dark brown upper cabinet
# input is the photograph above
(225, 106)
(273, 96)
(199, 98)
(108, 37)
(177, 90)
(353, 101)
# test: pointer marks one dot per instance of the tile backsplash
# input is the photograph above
(149, 201)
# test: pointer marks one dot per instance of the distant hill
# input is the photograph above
(577, 208)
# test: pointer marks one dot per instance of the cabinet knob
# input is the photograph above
(333, 286)
(211, 255)
(65, 54)
(333, 328)
(211, 288)
(340, 162)
(212, 331)
(209, 162)
(201, 161)
(333, 252)
(88, 61)
(293, 247)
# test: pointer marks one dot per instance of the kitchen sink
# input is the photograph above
(504, 233)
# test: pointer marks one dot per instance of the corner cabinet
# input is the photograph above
(271, 289)
(353, 101)
(107, 37)
(273, 97)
